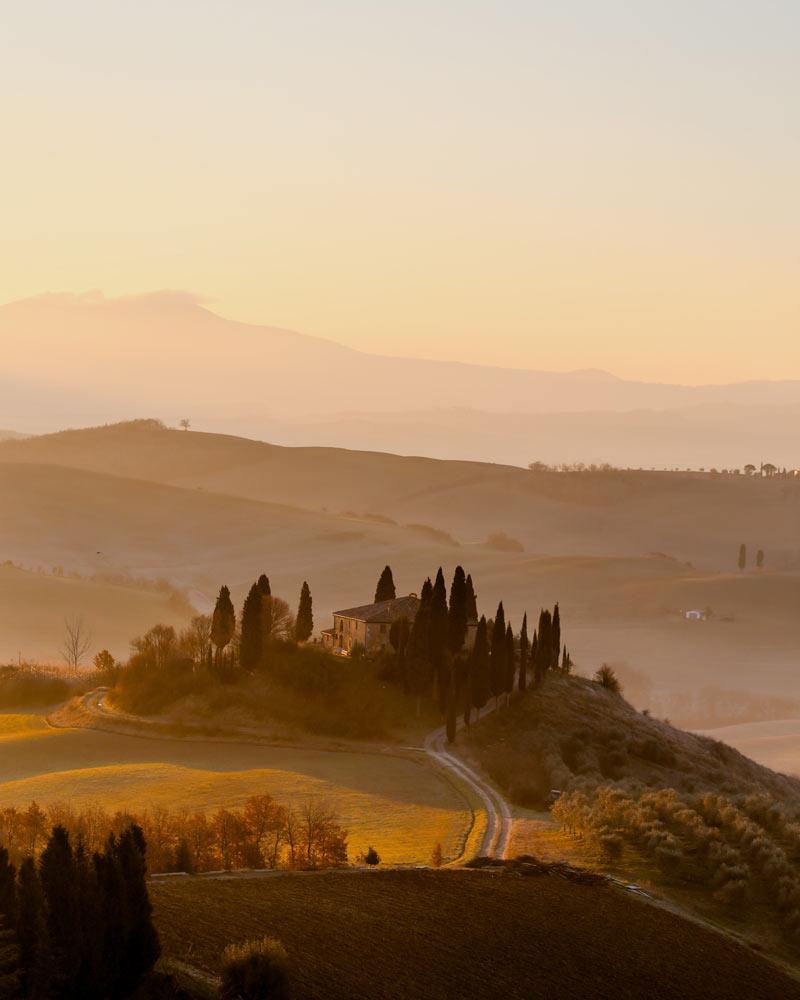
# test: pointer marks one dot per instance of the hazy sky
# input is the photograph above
(556, 185)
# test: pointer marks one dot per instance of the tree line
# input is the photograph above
(262, 834)
(76, 925)
(431, 658)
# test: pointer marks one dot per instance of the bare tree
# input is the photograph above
(277, 621)
(76, 643)
(195, 639)
(159, 644)
(185, 423)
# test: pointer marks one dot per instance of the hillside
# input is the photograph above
(706, 826)
(200, 510)
(33, 607)
(424, 935)
(692, 517)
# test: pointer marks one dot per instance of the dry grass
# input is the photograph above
(399, 804)
(476, 934)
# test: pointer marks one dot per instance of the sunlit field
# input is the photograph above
(397, 804)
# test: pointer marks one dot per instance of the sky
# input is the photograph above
(534, 184)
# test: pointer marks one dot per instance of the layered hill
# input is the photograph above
(624, 552)
(694, 517)
(167, 354)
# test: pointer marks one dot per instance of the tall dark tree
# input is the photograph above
(742, 556)
(471, 601)
(544, 645)
(497, 662)
(385, 590)
(223, 621)
(263, 585)
(251, 640)
(90, 974)
(399, 633)
(760, 558)
(10, 970)
(8, 890)
(143, 947)
(532, 659)
(60, 886)
(439, 635)
(419, 646)
(555, 637)
(32, 934)
(304, 623)
(457, 612)
(511, 659)
(524, 646)
(479, 667)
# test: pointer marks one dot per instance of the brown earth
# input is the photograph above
(461, 934)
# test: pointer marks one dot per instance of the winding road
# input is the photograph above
(499, 821)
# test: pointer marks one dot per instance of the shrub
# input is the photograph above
(255, 970)
(606, 677)
(372, 857)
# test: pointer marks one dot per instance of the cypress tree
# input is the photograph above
(143, 947)
(251, 641)
(438, 635)
(385, 590)
(457, 612)
(760, 558)
(223, 621)
(263, 585)
(8, 890)
(544, 646)
(523, 653)
(555, 636)
(419, 646)
(497, 662)
(61, 891)
(471, 601)
(90, 974)
(32, 936)
(304, 624)
(534, 653)
(742, 556)
(115, 919)
(479, 666)
(510, 660)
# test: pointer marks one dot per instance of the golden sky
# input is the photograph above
(520, 183)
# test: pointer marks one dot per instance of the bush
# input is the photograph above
(606, 677)
(372, 857)
(255, 970)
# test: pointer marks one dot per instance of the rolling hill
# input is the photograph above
(200, 510)
(165, 353)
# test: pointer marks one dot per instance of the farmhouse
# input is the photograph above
(369, 625)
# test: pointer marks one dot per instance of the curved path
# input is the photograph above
(499, 820)
(498, 814)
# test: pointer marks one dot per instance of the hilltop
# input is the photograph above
(708, 827)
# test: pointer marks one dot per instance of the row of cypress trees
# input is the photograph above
(431, 652)
(256, 621)
(74, 927)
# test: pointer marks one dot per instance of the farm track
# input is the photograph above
(499, 821)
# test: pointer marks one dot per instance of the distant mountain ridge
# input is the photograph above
(80, 360)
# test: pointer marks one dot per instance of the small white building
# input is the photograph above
(696, 615)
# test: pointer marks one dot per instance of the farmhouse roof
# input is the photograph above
(383, 611)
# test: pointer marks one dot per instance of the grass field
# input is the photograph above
(397, 803)
(460, 934)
